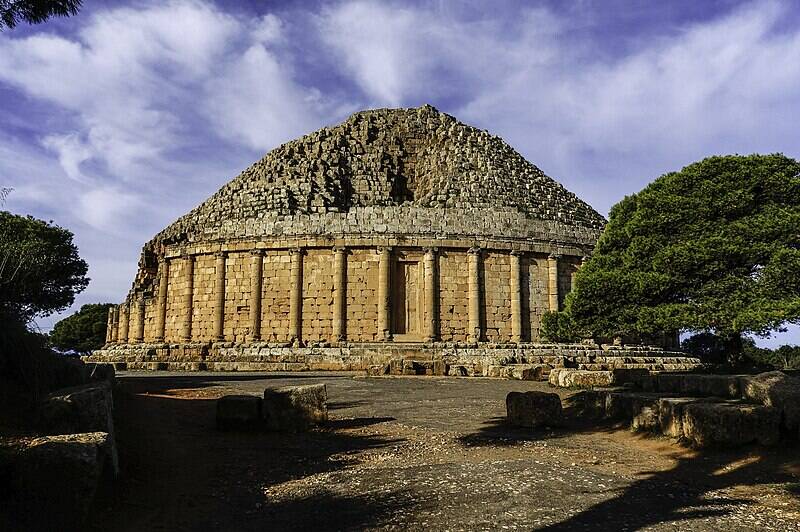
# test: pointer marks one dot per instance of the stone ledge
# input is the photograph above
(474, 361)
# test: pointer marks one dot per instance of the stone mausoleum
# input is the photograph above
(400, 238)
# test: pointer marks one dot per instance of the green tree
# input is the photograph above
(35, 11)
(714, 247)
(558, 327)
(788, 357)
(83, 331)
(40, 270)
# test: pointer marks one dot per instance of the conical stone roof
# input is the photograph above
(396, 172)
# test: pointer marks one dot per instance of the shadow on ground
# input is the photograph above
(180, 473)
(690, 490)
(703, 484)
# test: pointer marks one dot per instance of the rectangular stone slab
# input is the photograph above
(533, 409)
(295, 408)
(239, 412)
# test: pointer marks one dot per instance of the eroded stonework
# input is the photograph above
(397, 226)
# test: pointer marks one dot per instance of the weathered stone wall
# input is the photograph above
(275, 293)
(149, 319)
(566, 269)
(203, 300)
(497, 294)
(535, 293)
(362, 295)
(476, 361)
(445, 313)
(318, 295)
(176, 298)
(453, 295)
(237, 292)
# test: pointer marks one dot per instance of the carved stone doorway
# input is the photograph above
(407, 301)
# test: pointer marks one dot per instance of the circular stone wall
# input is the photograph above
(401, 227)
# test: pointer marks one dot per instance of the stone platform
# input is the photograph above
(383, 359)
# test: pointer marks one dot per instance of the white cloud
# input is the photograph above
(150, 108)
(255, 103)
(72, 151)
(399, 54)
(138, 80)
(268, 30)
(604, 125)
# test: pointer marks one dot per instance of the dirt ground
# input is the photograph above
(420, 452)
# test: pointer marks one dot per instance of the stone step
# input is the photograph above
(524, 372)
(699, 421)
(579, 378)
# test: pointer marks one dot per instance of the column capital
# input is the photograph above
(257, 252)
(430, 249)
(474, 251)
(339, 249)
(297, 251)
(221, 254)
(554, 256)
(517, 253)
(384, 249)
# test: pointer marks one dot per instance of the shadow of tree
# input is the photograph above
(180, 473)
(690, 490)
(696, 487)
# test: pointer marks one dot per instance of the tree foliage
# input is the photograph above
(712, 349)
(35, 11)
(558, 327)
(714, 247)
(83, 331)
(40, 270)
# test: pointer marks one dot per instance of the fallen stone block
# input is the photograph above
(726, 386)
(627, 405)
(558, 377)
(457, 371)
(239, 412)
(533, 409)
(586, 405)
(670, 415)
(295, 407)
(378, 370)
(638, 377)
(578, 378)
(780, 391)
(53, 480)
(498, 372)
(419, 367)
(528, 372)
(646, 419)
(730, 424)
(81, 409)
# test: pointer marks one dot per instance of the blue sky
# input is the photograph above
(118, 120)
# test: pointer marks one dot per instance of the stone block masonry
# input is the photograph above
(462, 359)
(397, 227)
(451, 294)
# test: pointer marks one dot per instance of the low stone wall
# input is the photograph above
(474, 361)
